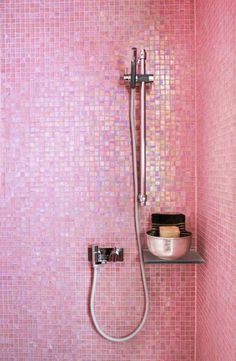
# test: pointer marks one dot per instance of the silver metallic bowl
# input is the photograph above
(169, 248)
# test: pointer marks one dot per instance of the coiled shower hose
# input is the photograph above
(138, 238)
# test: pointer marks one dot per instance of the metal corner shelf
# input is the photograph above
(191, 257)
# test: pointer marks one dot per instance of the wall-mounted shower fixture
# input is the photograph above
(98, 255)
(103, 255)
(142, 78)
(146, 78)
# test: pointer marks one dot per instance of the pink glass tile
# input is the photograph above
(66, 181)
(216, 115)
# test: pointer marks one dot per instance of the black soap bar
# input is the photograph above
(168, 219)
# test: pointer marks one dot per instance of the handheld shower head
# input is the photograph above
(134, 58)
(133, 69)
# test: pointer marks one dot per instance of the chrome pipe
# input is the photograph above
(142, 197)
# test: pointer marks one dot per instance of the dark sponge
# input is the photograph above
(168, 219)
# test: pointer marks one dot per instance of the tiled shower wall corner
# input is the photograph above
(216, 118)
(66, 179)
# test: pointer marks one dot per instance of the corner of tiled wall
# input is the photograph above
(216, 126)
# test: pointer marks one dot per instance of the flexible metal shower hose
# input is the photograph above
(138, 238)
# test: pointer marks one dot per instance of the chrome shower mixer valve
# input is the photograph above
(100, 256)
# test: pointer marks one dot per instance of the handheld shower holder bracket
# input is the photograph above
(140, 78)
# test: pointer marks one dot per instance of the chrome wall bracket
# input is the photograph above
(100, 256)
(140, 78)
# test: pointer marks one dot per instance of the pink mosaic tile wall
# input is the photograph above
(66, 178)
(216, 116)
